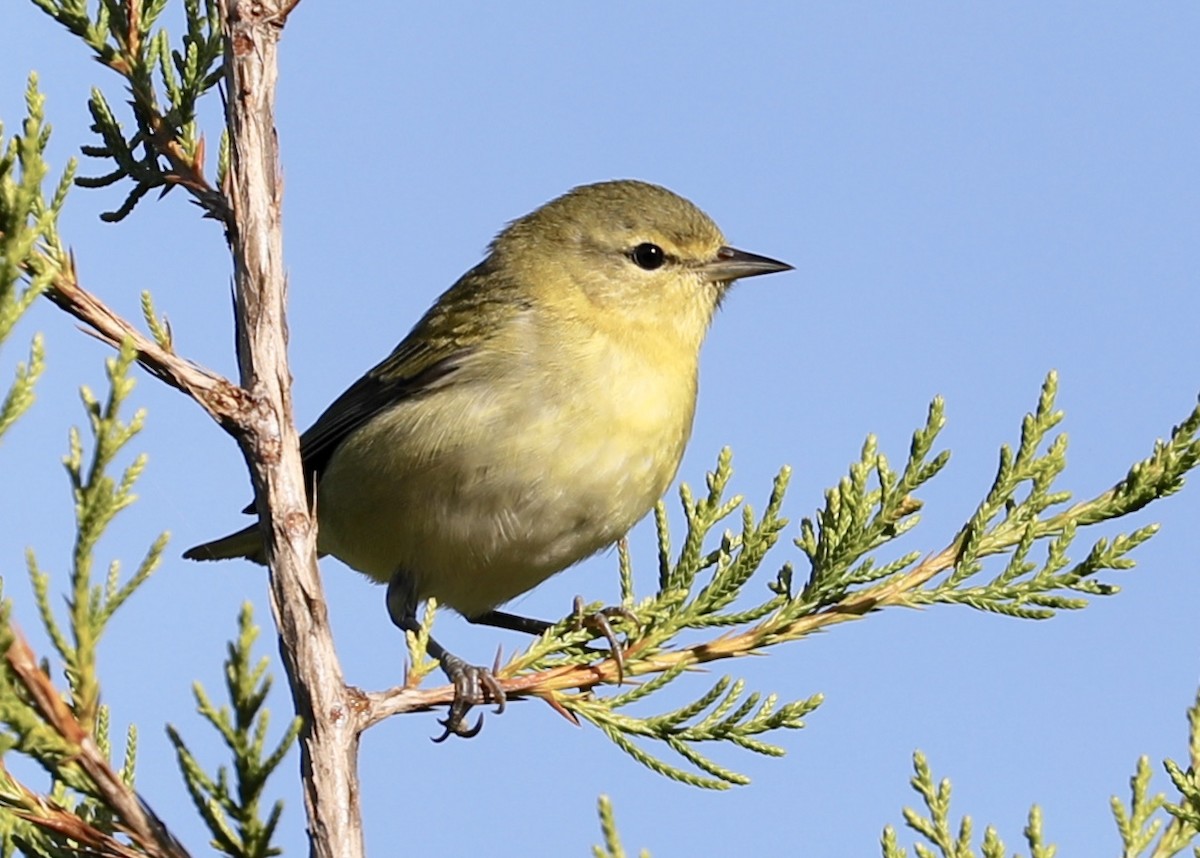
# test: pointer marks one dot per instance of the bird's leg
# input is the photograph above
(597, 622)
(512, 622)
(472, 684)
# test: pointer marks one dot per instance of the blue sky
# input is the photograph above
(972, 195)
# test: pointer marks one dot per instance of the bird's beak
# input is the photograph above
(733, 264)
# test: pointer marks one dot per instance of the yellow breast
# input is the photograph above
(533, 458)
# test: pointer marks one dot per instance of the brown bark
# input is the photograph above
(329, 743)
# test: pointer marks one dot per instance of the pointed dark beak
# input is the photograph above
(733, 264)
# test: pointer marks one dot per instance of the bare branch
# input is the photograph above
(221, 398)
(269, 440)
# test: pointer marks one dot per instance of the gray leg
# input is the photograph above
(472, 685)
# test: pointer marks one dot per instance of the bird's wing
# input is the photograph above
(410, 371)
(442, 341)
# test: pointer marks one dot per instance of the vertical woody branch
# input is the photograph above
(269, 441)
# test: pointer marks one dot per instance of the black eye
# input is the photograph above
(648, 256)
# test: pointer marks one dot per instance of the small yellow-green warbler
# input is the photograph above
(536, 412)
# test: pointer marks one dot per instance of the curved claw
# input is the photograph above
(598, 622)
(457, 730)
(472, 685)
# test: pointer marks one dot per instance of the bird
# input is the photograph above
(533, 415)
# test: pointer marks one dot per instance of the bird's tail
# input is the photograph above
(246, 543)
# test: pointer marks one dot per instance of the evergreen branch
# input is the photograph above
(1141, 823)
(644, 689)
(98, 499)
(617, 733)
(165, 149)
(89, 806)
(31, 249)
(159, 329)
(27, 223)
(116, 596)
(1140, 826)
(624, 569)
(84, 767)
(934, 825)
(40, 582)
(1035, 838)
(868, 509)
(231, 807)
(1185, 813)
(20, 396)
(612, 847)
(419, 664)
(40, 827)
(33, 713)
(129, 763)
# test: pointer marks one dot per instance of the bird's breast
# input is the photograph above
(528, 462)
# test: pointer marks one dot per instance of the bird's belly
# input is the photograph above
(512, 500)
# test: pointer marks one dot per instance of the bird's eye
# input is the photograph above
(648, 256)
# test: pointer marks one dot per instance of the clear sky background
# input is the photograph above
(972, 195)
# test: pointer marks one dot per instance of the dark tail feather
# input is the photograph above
(245, 543)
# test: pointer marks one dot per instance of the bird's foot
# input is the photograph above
(599, 622)
(473, 685)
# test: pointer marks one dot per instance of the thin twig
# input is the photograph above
(220, 397)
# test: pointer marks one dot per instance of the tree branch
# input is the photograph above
(329, 744)
(146, 829)
(220, 397)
